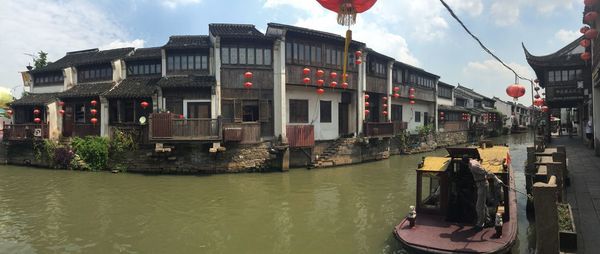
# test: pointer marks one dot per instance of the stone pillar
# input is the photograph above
(215, 54)
(390, 81)
(546, 217)
(360, 93)
(104, 128)
(530, 169)
(279, 89)
(163, 62)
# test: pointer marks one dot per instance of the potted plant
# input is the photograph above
(566, 228)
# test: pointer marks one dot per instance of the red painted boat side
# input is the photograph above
(433, 234)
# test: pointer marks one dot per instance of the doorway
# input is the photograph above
(343, 109)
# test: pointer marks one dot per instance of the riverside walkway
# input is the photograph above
(584, 193)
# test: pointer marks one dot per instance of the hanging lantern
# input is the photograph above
(320, 73)
(591, 33)
(412, 96)
(412, 102)
(538, 102)
(396, 89)
(537, 88)
(396, 95)
(442, 118)
(62, 111)
(367, 104)
(37, 120)
(248, 75)
(346, 76)
(385, 105)
(333, 84)
(320, 82)
(93, 111)
(358, 62)
(36, 111)
(584, 29)
(358, 53)
(537, 96)
(590, 17)
(385, 113)
(306, 81)
(181, 116)
(545, 109)
(589, 3)
(320, 91)
(144, 104)
(515, 91)
(61, 103)
(347, 9)
(411, 90)
(367, 112)
(344, 85)
(585, 43)
(384, 98)
(93, 102)
(248, 85)
(366, 96)
(94, 120)
(442, 113)
(306, 71)
(9, 112)
(333, 75)
(586, 56)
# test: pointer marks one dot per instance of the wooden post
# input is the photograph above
(556, 170)
(530, 168)
(546, 217)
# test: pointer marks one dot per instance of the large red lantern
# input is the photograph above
(347, 9)
(61, 112)
(538, 102)
(36, 111)
(515, 91)
(333, 84)
(94, 120)
(306, 71)
(306, 81)
(591, 33)
(93, 111)
(320, 82)
(248, 75)
(248, 85)
(590, 17)
(144, 104)
(589, 2)
(94, 103)
(358, 62)
(585, 43)
(333, 75)
(320, 73)
(396, 89)
(584, 29)
(586, 56)
(37, 120)
(344, 85)
(358, 53)
(320, 91)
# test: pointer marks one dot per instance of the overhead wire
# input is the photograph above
(481, 43)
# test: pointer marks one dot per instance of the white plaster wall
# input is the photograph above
(54, 121)
(47, 89)
(323, 131)
(408, 114)
(445, 101)
(505, 109)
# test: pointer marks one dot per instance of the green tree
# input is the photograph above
(41, 60)
(5, 98)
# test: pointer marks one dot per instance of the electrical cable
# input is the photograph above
(481, 43)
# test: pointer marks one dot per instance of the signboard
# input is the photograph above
(37, 132)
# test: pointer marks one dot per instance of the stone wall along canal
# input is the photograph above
(338, 210)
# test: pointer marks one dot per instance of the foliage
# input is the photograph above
(78, 164)
(63, 157)
(121, 142)
(565, 222)
(5, 98)
(91, 150)
(425, 130)
(44, 150)
(41, 60)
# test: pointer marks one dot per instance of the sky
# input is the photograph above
(417, 32)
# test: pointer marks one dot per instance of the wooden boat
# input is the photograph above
(445, 207)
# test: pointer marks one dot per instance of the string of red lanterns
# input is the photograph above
(248, 76)
(411, 96)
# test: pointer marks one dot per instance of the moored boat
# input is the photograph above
(443, 219)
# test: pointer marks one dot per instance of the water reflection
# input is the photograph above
(339, 210)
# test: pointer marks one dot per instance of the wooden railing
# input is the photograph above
(86, 129)
(138, 132)
(378, 129)
(300, 136)
(399, 127)
(455, 126)
(245, 133)
(165, 126)
(25, 131)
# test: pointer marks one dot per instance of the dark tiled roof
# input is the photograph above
(372, 52)
(134, 88)
(35, 99)
(186, 81)
(86, 90)
(316, 33)
(422, 71)
(145, 54)
(187, 41)
(562, 57)
(84, 57)
(445, 84)
(233, 29)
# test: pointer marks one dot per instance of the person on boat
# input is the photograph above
(481, 176)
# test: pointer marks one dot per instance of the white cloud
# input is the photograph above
(174, 3)
(566, 36)
(491, 78)
(53, 27)
(507, 12)
(137, 43)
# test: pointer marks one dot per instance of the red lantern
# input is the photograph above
(320, 91)
(385, 113)
(411, 90)
(320, 82)
(181, 116)
(358, 61)
(93, 111)
(544, 109)
(591, 33)
(515, 90)
(589, 2)
(333, 84)
(144, 104)
(366, 96)
(585, 43)
(442, 118)
(94, 120)
(584, 29)
(306, 71)
(442, 113)
(62, 111)
(590, 17)
(333, 75)
(320, 73)
(367, 104)
(396, 95)
(248, 75)
(306, 81)
(366, 112)
(539, 102)
(412, 96)
(61, 103)
(586, 56)
(37, 120)
(248, 85)
(385, 105)
(344, 85)
(358, 53)
(396, 89)
(384, 98)
(93, 102)
(9, 112)
(347, 9)
(412, 102)
(36, 111)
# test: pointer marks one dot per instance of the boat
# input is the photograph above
(443, 219)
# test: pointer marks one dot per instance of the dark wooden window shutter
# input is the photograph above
(239, 111)
(264, 111)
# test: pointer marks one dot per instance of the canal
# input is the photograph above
(338, 210)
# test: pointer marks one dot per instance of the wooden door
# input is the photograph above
(343, 118)
(68, 120)
(198, 110)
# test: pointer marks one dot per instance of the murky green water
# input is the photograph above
(339, 210)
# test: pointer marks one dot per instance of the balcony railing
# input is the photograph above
(25, 131)
(379, 129)
(165, 126)
(301, 136)
(245, 133)
(455, 126)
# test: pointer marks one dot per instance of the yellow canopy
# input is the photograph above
(493, 157)
(435, 164)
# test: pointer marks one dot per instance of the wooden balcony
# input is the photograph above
(244, 133)
(167, 127)
(301, 136)
(15, 132)
(378, 129)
